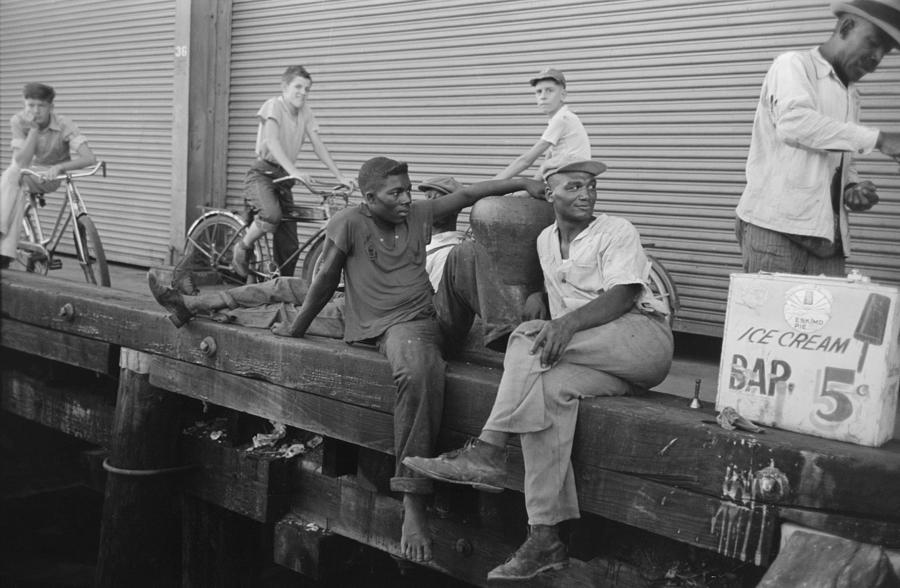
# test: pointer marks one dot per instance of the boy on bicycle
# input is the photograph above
(379, 247)
(285, 122)
(40, 139)
(563, 139)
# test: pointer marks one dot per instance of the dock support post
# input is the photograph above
(139, 537)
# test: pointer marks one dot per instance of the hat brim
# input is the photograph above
(534, 81)
(425, 186)
(595, 168)
(849, 7)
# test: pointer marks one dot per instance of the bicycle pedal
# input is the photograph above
(55, 264)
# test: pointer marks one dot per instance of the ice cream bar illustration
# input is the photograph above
(872, 322)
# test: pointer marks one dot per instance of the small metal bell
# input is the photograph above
(695, 401)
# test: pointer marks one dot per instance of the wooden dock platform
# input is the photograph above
(646, 461)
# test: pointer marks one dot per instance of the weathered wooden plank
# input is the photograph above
(97, 356)
(877, 532)
(250, 483)
(652, 436)
(656, 436)
(317, 414)
(76, 409)
(307, 548)
(467, 553)
(744, 530)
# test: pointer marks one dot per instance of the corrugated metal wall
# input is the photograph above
(667, 90)
(111, 65)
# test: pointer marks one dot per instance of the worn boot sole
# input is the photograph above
(477, 485)
(560, 565)
(169, 299)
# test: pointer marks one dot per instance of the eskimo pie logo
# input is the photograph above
(807, 308)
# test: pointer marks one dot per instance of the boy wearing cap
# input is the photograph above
(564, 138)
(285, 122)
(379, 247)
(801, 175)
(598, 331)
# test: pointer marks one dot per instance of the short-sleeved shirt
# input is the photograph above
(384, 286)
(567, 137)
(292, 130)
(54, 143)
(437, 252)
(605, 254)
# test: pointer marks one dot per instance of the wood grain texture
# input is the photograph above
(97, 356)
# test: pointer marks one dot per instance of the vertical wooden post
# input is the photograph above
(200, 113)
(139, 537)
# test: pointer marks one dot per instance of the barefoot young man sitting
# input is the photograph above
(380, 246)
(605, 333)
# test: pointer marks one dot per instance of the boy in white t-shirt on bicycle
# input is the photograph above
(285, 123)
(564, 138)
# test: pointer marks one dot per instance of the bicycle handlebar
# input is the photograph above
(75, 174)
(338, 189)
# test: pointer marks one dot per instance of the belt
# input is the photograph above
(269, 163)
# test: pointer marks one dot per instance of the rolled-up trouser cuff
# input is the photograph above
(265, 225)
(412, 485)
(554, 518)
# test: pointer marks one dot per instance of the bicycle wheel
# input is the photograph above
(663, 287)
(29, 254)
(210, 242)
(93, 259)
(313, 260)
(312, 263)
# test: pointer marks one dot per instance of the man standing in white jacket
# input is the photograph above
(801, 179)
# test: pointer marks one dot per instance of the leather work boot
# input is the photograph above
(542, 551)
(170, 299)
(478, 464)
(240, 259)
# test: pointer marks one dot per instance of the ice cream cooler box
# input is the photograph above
(812, 354)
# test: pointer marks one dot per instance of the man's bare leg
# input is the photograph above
(415, 539)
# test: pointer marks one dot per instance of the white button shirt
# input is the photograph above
(605, 254)
(806, 123)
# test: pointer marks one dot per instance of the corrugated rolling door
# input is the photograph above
(667, 90)
(111, 64)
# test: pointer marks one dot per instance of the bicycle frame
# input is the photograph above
(75, 208)
(70, 211)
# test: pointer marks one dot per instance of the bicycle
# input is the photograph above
(211, 238)
(663, 287)
(38, 253)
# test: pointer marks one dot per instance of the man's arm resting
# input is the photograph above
(469, 195)
(524, 161)
(555, 335)
(320, 292)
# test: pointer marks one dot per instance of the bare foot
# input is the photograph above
(415, 541)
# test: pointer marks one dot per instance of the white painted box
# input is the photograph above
(812, 354)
